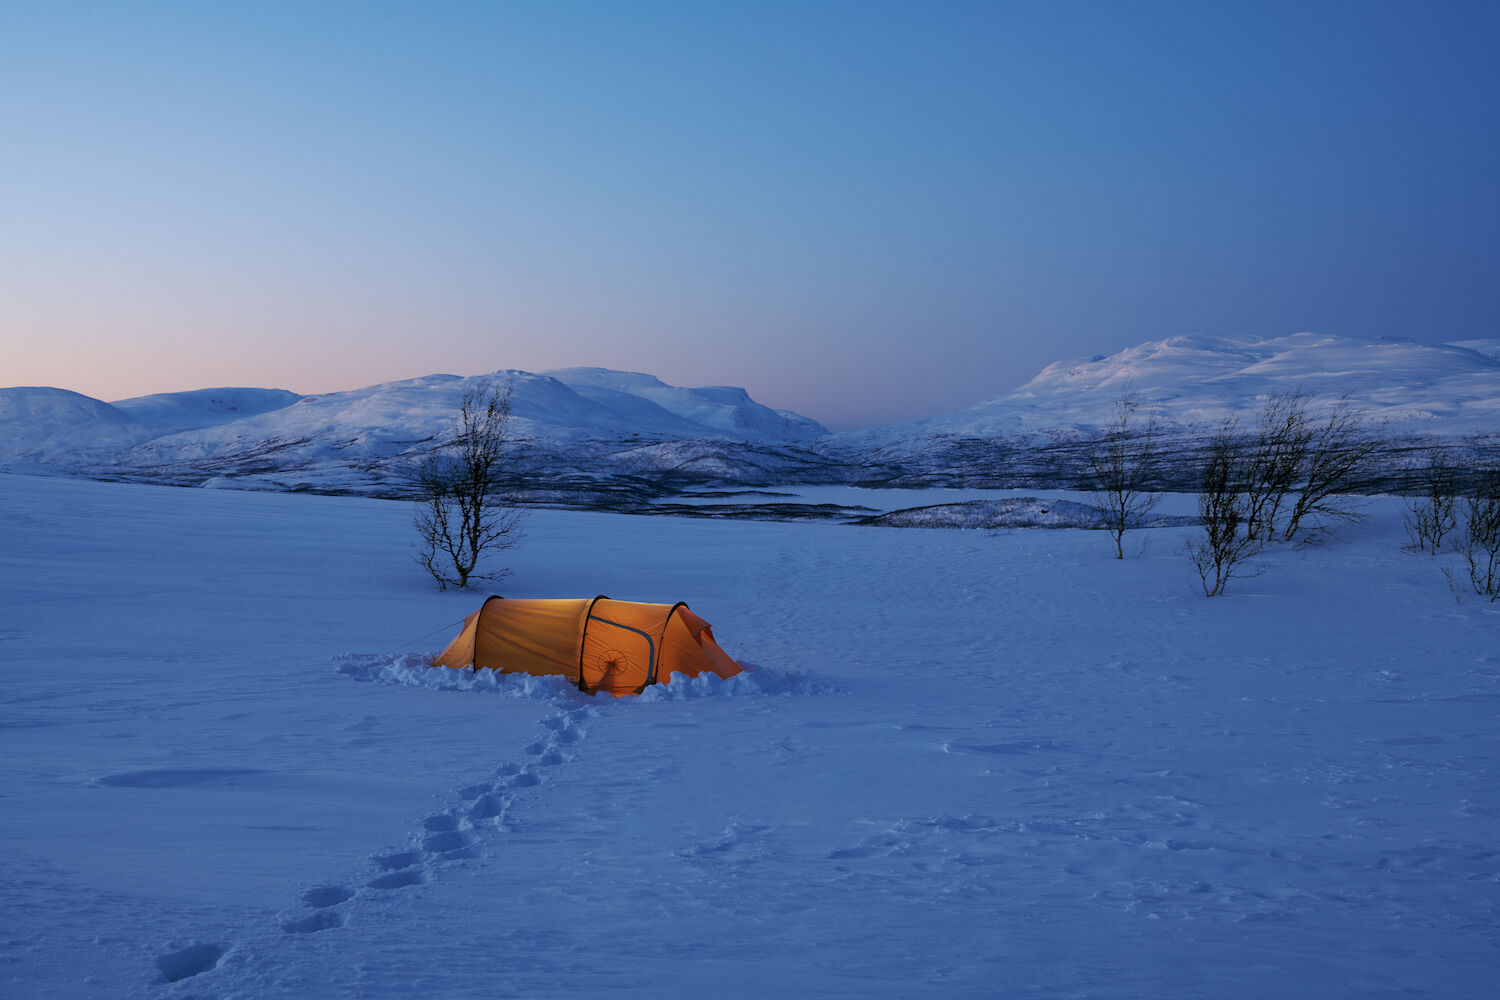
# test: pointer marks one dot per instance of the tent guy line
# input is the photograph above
(406, 644)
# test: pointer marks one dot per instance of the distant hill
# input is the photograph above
(592, 435)
(1197, 381)
(173, 412)
(726, 409)
(42, 425)
(1037, 435)
(575, 426)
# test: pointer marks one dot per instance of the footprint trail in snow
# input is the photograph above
(443, 839)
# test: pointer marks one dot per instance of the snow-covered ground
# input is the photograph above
(964, 764)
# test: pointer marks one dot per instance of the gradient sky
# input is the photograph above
(862, 211)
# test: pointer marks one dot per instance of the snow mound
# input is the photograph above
(416, 670)
(751, 680)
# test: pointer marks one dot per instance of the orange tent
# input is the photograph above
(598, 644)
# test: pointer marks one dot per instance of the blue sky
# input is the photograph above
(862, 211)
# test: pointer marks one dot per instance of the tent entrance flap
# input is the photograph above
(615, 662)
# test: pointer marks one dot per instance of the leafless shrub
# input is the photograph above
(1121, 464)
(1336, 454)
(1478, 544)
(463, 508)
(1430, 508)
(1221, 554)
(1275, 463)
(1303, 469)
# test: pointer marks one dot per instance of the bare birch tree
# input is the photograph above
(1430, 512)
(1276, 459)
(1221, 554)
(1121, 464)
(1336, 454)
(1478, 544)
(464, 509)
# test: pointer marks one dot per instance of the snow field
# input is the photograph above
(963, 764)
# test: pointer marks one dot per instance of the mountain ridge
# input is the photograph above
(1197, 381)
(586, 432)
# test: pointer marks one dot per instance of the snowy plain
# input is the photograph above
(961, 764)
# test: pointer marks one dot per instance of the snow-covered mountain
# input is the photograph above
(1194, 381)
(725, 408)
(1037, 434)
(46, 426)
(573, 423)
(592, 433)
(39, 424)
(172, 412)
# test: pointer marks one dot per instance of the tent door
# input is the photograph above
(616, 657)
